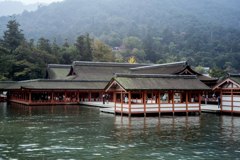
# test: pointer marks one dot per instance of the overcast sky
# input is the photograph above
(34, 1)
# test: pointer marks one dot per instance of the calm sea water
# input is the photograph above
(79, 132)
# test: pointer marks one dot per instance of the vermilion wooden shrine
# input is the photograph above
(143, 94)
(86, 81)
(229, 99)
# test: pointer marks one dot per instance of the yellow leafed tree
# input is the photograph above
(132, 60)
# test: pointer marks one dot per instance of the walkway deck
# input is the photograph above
(109, 107)
(210, 108)
(106, 108)
(99, 104)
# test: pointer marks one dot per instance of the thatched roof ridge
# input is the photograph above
(59, 66)
(157, 82)
(84, 70)
(57, 71)
(154, 76)
(5, 84)
(181, 63)
(106, 64)
(44, 84)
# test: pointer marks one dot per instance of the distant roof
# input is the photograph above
(158, 82)
(42, 84)
(234, 78)
(57, 71)
(166, 68)
(6, 84)
(84, 70)
(175, 68)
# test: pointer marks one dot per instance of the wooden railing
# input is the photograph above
(156, 108)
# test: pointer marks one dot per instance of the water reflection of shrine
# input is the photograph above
(21, 109)
(230, 128)
(164, 127)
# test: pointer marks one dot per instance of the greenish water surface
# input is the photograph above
(80, 132)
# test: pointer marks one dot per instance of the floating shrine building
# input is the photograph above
(156, 88)
(156, 93)
(229, 99)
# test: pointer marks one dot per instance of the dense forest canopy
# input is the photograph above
(206, 32)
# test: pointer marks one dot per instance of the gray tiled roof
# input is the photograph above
(166, 68)
(58, 85)
(158, 82)
(100, 70)
(57, 71)
(6, 84)
(235, 77)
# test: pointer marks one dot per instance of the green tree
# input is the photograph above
(84, 47)
(139, 54)
(102, 52)
(217, 72)
(132, 42)
(13, 36)
(44, 45)
(6, 61)
(54, 47)
(25, 63)
(68, 54)
(200, 69)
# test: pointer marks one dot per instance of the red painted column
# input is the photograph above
(199, 102)
(30, 97)
(115, 101)
(159, 103)
(121, 103)
(89, 96)
(187, 103)
(173, 106)
(145, 103)
(78, 99)
(221, 101)
(129, 104)
(52, 98)
(232, 101)
(65, 96)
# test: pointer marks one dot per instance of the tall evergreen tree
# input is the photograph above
(44, 45)
(13, 36)
(84, 47)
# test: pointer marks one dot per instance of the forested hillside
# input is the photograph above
(8, 8)
(126, 18)
(206, 32)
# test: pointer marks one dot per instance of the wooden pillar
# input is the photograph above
(30, 97)
(102, 96)
(52, 97)
(89, 96)
(199, 102)
(65, 96)
(232, 101)
(159, 103)
(173, 107)
(129, 103)
(187, 103)
(152, 97)
(121, 103)
(144, 102)
(78, 98)
(221, 100)
(115, 102)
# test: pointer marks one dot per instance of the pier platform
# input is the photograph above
(210, 108)
(109, 107)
